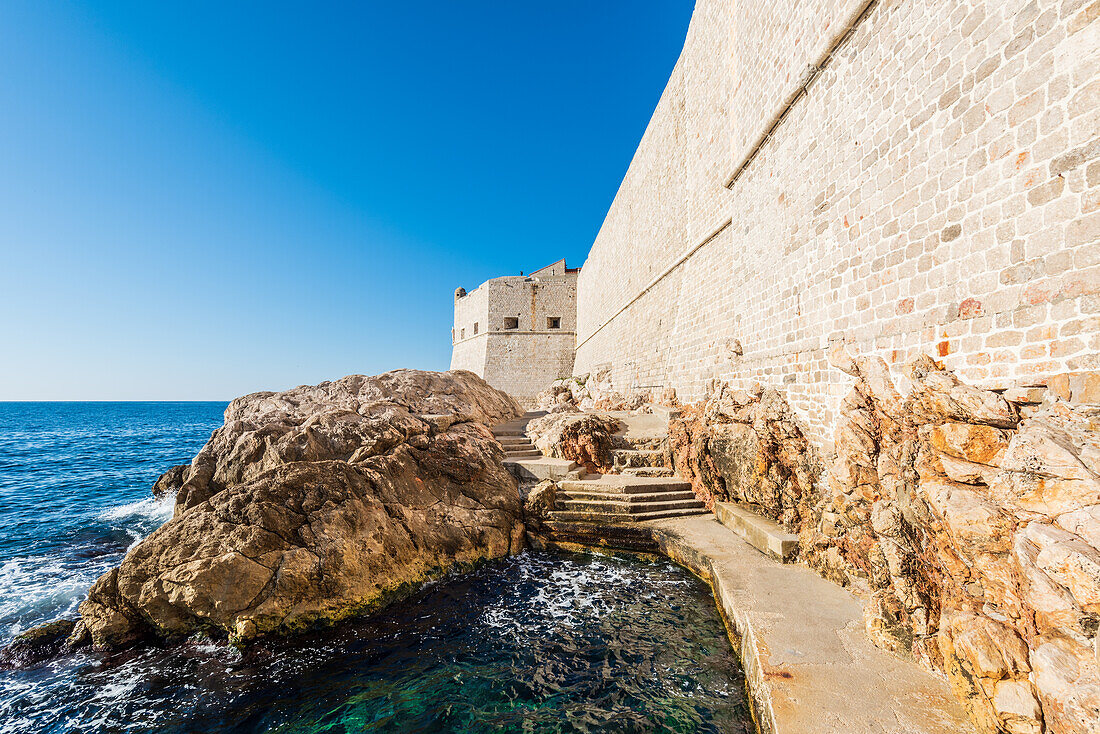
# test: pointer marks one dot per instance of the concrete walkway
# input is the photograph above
(810, 665)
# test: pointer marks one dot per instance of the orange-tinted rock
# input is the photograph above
(1076, 387)
(744, 446)
(979, 444)
(581, 437)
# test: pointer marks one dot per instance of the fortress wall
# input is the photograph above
(772, 43)
(673, 188)
(468, 352)
(522, 364)
(470, 355)
(937, 190)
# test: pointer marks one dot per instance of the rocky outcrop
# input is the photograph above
(170, 481)
(970, 523)
(315, 504)
(37, 645)
(538, 504)
(745, 447)
(586, 438)
(972, 531)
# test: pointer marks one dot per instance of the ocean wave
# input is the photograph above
(39, 588)
(36, 589)
(150, 508)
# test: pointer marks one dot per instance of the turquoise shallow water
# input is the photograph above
(542, 642)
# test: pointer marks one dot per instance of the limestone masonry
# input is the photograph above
(935, 189)
(518, 332)
(932, 186)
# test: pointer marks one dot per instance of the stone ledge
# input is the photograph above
(759, 532)
(808, 661)
(542, 468)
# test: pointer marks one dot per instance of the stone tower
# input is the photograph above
(518, 331)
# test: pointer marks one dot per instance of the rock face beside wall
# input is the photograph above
(970, 524)
(744, 446)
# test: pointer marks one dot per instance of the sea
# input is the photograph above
(539, 642)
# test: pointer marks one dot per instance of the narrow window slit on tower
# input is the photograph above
(553, 322)
(511, 322)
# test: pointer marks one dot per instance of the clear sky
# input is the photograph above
(204, 199)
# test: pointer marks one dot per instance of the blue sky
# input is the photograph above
(200, 200)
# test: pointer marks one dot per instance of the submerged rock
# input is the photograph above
(37, 645)
(318, 503)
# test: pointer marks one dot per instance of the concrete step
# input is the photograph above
(648, 471)
(619, 497)
(761, 533)
(541, 468)
(622, 484)
(508, 440)
(611, 518)
(627, 508)
(513, 455)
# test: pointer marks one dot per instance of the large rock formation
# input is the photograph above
(586, 438)
(315, 504)
(969, 522)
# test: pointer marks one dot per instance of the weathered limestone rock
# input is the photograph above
(745, 447)
(539, 503)
(557, 398)
(590, 392)
(318, 503)
(585, 438)
(973, 533)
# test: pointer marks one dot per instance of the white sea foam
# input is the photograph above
(150, 508)
(33, 588)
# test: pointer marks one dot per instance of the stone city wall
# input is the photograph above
(936, 190)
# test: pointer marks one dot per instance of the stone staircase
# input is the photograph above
(523, 459)
(620, 498)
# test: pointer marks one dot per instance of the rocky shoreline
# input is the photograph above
(310, 506)
(964, 518)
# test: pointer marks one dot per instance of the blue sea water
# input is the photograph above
(542, 642)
